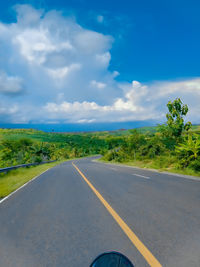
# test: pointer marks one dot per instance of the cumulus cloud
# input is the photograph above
(63, 68)
(130, 107)
(140, 102)
(50, 55)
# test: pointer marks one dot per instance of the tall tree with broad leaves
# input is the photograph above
(175, 118)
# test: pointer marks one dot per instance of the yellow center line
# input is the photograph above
(149, 257)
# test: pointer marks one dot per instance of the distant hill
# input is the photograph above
(150, 129)
(15, 134)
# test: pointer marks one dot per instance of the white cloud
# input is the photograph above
(8, 113)
(36, 44)
(27, 15)
(103, 59)
(185, 86)
(127, 108)
(115, 73)
(60, 73)
(8, 110)
(140, 102)
(60, 64)
(91, 42)
(98, 85)
(86, 121)
(10, 84)
(53, 54)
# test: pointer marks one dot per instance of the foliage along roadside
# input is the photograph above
(29, 146)
(173, 147)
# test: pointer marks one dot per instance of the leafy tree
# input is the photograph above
(175, 117)
(168, 140)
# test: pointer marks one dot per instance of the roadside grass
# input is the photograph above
(157, 165)
(12, 180)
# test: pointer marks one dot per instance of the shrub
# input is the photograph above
(195, 165)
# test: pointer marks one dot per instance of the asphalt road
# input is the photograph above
(57, 220)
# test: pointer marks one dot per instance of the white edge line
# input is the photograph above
(140, 175)
(189, 177)
(22, 186)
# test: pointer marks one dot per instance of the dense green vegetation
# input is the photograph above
(27, 146)
(174, 145)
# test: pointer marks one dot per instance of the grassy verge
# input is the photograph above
(12, 180)
(153, 165)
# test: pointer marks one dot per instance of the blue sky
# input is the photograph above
(97, 61)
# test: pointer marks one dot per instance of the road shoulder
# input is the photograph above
(196, 178)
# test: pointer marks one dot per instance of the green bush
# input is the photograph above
(195, 165)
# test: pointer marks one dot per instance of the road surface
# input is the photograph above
(58, 220)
